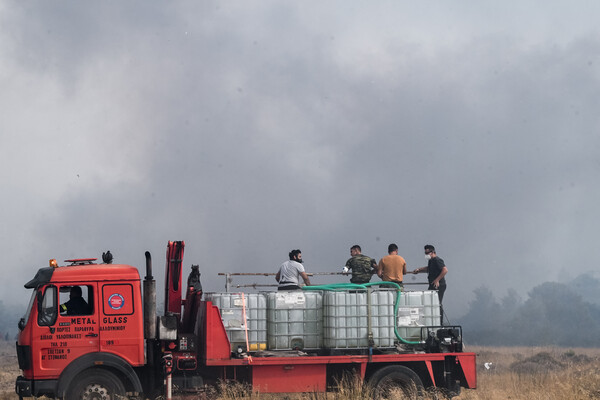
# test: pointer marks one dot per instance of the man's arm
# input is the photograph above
(349, 263)
(419, 270)
(278, 275)
(305, 277)
(380, 268)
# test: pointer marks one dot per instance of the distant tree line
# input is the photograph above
(559, 314)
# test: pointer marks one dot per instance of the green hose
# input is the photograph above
(364, 286)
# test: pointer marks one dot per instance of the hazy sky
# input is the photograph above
(250, 128)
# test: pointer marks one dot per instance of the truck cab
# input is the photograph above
(80, 316)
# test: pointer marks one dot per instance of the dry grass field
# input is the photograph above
(9, 370)
(532, 373)
(536, 373)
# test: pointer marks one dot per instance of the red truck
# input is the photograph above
(117, 347)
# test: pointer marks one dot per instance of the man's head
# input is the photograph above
(429, 251)
(393, 248)
(296, 255)
(75, 292)
(355, 250)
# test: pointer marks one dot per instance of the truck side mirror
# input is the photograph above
(21, 324)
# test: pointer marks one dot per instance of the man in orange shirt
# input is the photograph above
(392, 267)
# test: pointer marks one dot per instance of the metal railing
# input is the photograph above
(229, 279)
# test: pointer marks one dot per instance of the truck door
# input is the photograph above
(122, 322)
(65, 328)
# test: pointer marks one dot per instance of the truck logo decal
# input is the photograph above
(116, 301)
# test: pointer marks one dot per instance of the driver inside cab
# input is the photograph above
(76, 304)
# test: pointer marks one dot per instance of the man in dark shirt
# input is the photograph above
(436, 271)
(76, 304)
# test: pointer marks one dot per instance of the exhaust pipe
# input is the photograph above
(149, 301)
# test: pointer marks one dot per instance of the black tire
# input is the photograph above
(95, 384)
(392, 377)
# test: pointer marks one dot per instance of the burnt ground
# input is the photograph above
(539, 363)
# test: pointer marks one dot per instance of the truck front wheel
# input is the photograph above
(94, 384)
(396, 377)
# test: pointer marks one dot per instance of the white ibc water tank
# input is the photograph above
(295, 320)
(231, 307)
(346, 319)
(417, 309)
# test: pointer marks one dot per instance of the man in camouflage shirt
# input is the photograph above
(362, 266)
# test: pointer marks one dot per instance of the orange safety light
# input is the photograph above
(53, 263)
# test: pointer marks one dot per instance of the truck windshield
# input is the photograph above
(28, 310)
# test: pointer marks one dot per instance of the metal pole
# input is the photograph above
(168, 365)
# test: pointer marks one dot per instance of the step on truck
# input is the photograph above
(91, 331)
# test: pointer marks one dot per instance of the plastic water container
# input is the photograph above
(231, 307)
(417, 309)
(295, 320)
(346, 319)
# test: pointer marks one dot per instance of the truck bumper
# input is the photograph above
(28, 388)
(23, 387)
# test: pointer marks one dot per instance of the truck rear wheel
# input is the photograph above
(96, 384)
(396, 377)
